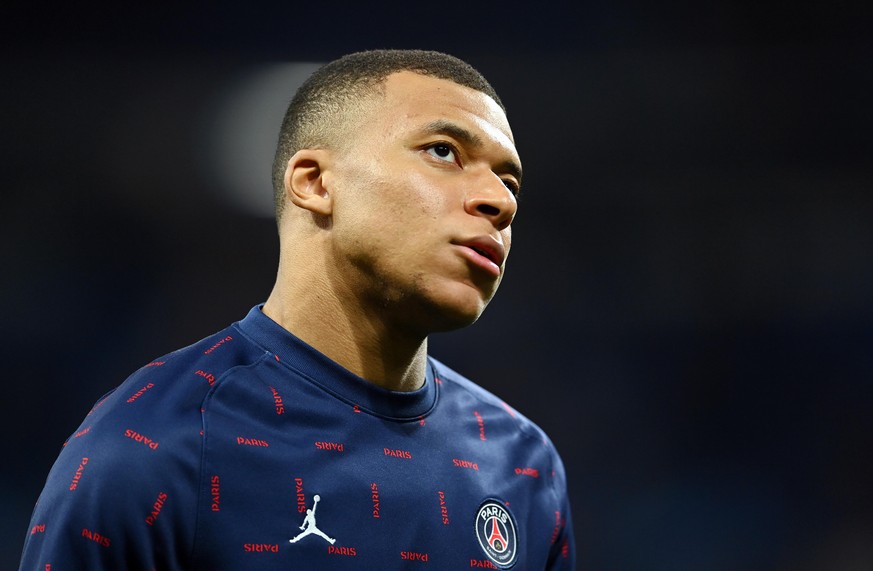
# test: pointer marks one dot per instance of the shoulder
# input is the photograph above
(156, 411)
(132, 467)
(520, 441)
(154, 416)
(456, 386)
(169, 390)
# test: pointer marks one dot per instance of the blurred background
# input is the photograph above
(688, 310)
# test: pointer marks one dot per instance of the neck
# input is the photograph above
(351, 335)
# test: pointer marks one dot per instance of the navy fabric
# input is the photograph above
(252, 450)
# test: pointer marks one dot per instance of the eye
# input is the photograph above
(513, 186)
(443, 152)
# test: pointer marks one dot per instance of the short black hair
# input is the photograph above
(325, 98)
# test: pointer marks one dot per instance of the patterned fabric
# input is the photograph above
(252, 450)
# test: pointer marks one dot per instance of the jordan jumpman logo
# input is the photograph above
(309, 527)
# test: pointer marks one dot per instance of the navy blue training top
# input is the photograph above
(252, 450)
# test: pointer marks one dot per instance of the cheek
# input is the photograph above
(423, 195)
(394, 200)
(360, 197)
(411, 204)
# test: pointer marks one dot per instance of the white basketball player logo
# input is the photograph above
(309, 527)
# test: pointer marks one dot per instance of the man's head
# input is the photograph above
(398, 191)
(327, 104)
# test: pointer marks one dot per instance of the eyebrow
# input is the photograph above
(444, 127)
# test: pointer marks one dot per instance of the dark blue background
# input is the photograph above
(688, 307)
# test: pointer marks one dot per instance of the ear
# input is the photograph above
(305, 183)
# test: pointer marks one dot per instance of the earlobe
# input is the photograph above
(305, 181)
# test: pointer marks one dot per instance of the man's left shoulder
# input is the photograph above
(457, 387)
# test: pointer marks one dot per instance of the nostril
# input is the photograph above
(488, 210)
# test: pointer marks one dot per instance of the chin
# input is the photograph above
(449, 312)
(446, 321)
(436, 306)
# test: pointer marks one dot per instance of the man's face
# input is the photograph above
(424, 191)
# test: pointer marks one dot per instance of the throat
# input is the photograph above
(367, 348)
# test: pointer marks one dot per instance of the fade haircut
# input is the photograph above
(332, 95)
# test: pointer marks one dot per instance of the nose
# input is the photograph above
(491, 199)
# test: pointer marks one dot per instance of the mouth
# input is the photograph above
(485, 252)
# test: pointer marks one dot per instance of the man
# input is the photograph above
(396, 180)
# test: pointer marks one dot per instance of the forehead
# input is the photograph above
(412, 101)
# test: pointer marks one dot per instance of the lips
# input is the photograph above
(486, 249)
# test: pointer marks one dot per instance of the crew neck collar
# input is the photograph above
(317, 368)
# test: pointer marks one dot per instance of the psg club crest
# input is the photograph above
(496, 531)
